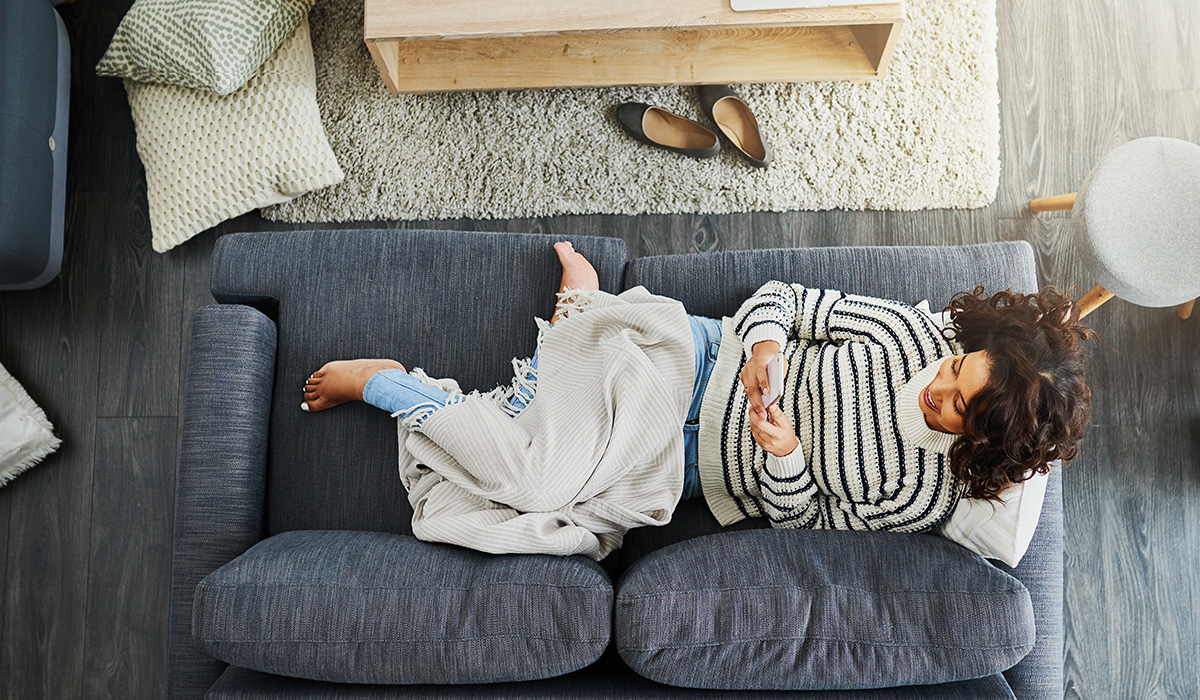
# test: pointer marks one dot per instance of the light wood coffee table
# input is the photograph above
(447, 45)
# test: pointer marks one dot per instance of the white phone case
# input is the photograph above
(774, 379)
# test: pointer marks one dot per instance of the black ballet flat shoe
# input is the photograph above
(655, 126)
(737, 122)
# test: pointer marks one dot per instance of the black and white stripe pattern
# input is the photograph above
(861, 465)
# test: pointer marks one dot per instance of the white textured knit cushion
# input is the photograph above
(211, 157)
(1002, 530)
(26, 437)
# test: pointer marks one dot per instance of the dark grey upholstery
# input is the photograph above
(425, 298)
(816, 610)
(713, 284)
(600, 681)
(222, 469)
(373, 607)
(35, 94)
(460, 304)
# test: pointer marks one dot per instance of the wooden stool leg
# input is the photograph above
(1061, 202)
(1185, 309)
(1093, 299)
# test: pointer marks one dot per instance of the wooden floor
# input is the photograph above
(85, 537)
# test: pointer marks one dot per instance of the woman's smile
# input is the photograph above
(957, 381)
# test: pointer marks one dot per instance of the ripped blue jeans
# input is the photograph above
(400, 393)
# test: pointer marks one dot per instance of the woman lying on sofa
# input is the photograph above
(884, 421)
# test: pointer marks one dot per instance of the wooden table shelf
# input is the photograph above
(489, 45)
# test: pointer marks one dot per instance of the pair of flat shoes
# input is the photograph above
(655, 126)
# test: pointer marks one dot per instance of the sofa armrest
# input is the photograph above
(1040, 673)
(219, 504)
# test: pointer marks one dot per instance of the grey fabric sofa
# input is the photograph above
(255, 470)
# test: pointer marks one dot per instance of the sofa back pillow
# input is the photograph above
(372, 607)
(819, 610)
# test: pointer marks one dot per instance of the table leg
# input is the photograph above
(1185, 309)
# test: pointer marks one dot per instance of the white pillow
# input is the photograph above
(26, 437)
(999, 530)
(941, 318)
(1003, 530)
(211, 157)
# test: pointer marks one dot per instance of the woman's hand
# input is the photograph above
(776, 436)
(754, 374)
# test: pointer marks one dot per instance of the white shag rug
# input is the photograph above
(925, 137)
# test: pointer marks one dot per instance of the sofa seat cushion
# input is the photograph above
(369, 607)
(819, 610)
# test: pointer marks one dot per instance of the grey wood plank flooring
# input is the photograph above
(50, 341)
(130, 557)
(84, 537)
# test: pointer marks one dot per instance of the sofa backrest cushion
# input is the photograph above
(372, 607)
(457, 304)
(715, 284)
(818, 610)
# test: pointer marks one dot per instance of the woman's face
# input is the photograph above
(945, 400)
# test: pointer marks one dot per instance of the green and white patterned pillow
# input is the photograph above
(215, 45)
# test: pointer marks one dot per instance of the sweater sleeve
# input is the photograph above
(904, 332)
(779, 311)
(789, 490)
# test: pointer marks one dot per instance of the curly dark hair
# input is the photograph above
(1036, 404)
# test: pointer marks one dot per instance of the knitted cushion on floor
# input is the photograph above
(26, 437)
(211, 44)
(211, 157)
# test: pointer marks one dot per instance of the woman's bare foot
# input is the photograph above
(578, 273)
(340, 381)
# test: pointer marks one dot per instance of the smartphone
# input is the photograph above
(774, 380)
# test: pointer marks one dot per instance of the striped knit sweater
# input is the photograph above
(856, 366)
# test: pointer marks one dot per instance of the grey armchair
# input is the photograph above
(35, 92)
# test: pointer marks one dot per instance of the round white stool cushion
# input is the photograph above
(1136, 220)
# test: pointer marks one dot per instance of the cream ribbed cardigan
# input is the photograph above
(598, 451)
